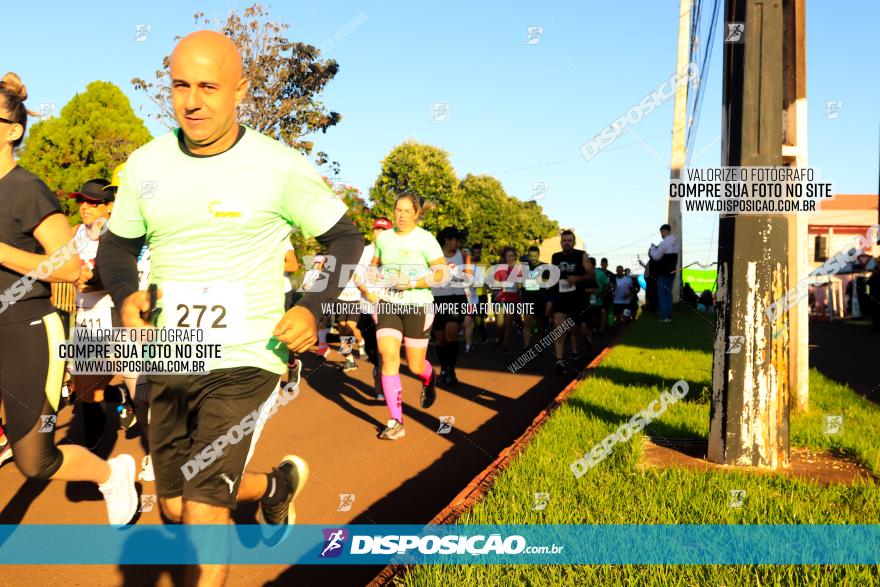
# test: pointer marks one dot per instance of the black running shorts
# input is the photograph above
(535, 303)
(201, 430)
(449, 309)
(410, 323)
(576, 305)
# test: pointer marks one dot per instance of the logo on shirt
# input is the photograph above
(228, 481)
(220, 209)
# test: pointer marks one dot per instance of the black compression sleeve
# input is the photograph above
(345, 244)
(117, 258)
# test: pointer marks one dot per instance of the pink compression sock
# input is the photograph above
(427, 371)
(393, 391)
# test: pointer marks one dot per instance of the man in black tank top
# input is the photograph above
(569, 295)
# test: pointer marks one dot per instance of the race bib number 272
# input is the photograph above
(216, 308)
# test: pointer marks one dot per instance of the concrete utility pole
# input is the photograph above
(679, 132)
(794, 153)
(750, 388)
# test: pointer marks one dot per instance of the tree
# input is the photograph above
(286, 80)
(498, 220)
(97, 130)
(532, 226)
(490, 222)
(358, 210)
(478, 203)
(425, 171)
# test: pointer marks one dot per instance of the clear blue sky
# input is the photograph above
(519, 112)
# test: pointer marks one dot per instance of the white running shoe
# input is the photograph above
(119, 491)
(146, 473)
(393, 431)
(5, 453)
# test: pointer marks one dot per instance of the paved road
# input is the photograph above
(333, 424)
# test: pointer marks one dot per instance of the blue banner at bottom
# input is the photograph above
(456, 544)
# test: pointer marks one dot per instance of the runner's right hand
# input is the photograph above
(135, 308)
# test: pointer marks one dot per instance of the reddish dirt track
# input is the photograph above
(332, 424)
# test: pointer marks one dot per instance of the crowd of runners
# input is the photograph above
(412, 288)
(196, 224)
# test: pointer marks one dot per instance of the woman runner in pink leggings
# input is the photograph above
(411, 258)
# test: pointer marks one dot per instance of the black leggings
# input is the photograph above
(30, 373)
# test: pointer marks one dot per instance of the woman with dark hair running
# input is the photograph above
(35, 250)
(506, 296)
(406, 255)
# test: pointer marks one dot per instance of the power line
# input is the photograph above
(694, 121)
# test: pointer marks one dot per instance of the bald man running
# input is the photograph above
(216, 201)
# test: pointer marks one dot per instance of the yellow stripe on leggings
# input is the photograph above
(55, 375)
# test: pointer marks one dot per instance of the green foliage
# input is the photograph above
(498, 220)
(425, 171)
(97, 130)
(358, 210)
(478, 203)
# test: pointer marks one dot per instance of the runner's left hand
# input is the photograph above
(297, 329)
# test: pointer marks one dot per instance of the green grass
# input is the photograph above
(616, 492)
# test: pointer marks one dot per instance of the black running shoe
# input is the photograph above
(451, 378)
(295, 473)
(127, 418)
(429, 391)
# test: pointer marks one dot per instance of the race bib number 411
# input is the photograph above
(94, 318)
(216, 308)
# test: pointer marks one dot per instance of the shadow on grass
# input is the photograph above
(689, 330)
(620, 376)
(656, 428)
(846, 351)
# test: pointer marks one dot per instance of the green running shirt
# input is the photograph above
(218, 228)
(410, 254)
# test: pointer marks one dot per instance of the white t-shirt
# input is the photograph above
(455, 286)
(624, 289)
(87, 247)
